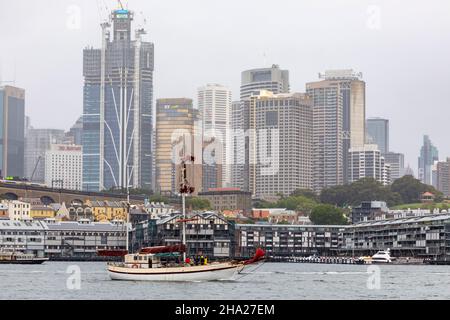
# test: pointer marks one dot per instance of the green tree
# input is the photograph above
(307, 193)
(411, 189)
(158, 198)
(366, 189)
(195, 203)
(327, 215)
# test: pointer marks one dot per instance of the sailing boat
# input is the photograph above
(147, 264)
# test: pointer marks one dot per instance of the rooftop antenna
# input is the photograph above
(120, 4)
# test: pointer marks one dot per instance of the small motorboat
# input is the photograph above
(383, 256)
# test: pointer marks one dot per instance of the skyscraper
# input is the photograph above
(12, 131)
(367, 162)
(397, 164)
(176, 136)
(272, 79)
(37, 142)
(339, 117)
(378, 133)
(428, 155)
(281, 146)
(214, 105)
(443, 177)
(76, 132)
(239, 145)
(63, 165)
(117, 119)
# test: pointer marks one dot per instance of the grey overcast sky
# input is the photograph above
(401, 47)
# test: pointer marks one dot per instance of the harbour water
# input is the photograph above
(56, 280)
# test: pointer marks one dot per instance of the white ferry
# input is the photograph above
(20, 258)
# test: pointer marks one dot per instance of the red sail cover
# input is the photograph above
(259, 255)
(112, 253)
(166, 249)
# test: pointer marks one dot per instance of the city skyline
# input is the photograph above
(390, 97)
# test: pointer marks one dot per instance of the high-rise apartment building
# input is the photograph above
(239, 145)
(214, 105)
(443, 177)
(367, 162)
(176, 137)
(378, 133)
(272, 79)
(63, 167)
(280, 144)
(396, 162)
(117, 117)
(12, 131)
(338, 124)
(37, 142)
(253, 81)
(428, 155)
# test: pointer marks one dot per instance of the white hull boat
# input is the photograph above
(212, 272)
(382, 257)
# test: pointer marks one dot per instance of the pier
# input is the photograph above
(322, 260)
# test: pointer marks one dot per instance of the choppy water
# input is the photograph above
(269, 281)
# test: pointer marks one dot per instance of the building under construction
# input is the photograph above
(118, 95)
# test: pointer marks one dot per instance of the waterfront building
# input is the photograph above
(61, 211)
(214, 105)
(287, 240)
(368, 210)
(207, 234)
(177, 134)
(117, 103)
(228, 199)
(77, 211)
(23, 236)
(420, 236)
(158, 209)
(280, 144)
(37, 142)
(378, 133)
(4, 213)
(12, 131)
(63, 167)
(443, 177)
(108, 210)
(428, 155)
(271, 79)
(18, 210)
(338, 124)
(41, 212)
(396, 161)
(367, 162)
(138, 214)
(82, 239)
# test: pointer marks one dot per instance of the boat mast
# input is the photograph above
(128, 214)
(185, 189)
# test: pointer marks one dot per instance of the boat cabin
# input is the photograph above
(147, 261)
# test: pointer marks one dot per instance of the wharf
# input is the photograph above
(348, 260)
